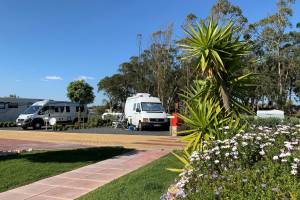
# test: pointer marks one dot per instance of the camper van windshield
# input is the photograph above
(32, 109)
(148, 106)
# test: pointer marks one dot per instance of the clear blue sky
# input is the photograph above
(45, 44)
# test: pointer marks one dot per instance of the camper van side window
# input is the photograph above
(56, 109)
(13, 105)
(45, 110)
(61, 109)
(2, 105)
(67, 108)
(51, 109)
(134, 106)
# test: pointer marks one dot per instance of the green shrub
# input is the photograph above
(54, 127)
(97, 121)
(1, 124)
(291, 120)
(6, 124)
(76, 125)
(12, 124)
(263, 163)
(69, 127)
(270, 122)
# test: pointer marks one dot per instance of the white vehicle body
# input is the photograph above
(109, 115)
(270, 113)
(142, 110)
(64, 112)
(11, 107)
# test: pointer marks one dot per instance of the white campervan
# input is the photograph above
(64, 112)
(142, 110)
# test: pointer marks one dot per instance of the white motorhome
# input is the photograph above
(12, 107)
(64, 112)
(142, 110)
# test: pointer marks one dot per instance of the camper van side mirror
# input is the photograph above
(137, 110)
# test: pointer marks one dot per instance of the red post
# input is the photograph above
(174, 124)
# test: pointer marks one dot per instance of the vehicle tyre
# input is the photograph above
(37, 125)
(140, 126)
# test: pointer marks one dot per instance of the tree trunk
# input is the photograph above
(226, 99)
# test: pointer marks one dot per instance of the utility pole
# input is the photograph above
(139, 43)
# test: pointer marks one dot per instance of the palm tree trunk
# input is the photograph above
(225, 94)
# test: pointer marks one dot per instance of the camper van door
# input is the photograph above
(136, 113)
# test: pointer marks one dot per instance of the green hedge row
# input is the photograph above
(7, 124)
(93, 122)
(270, 122)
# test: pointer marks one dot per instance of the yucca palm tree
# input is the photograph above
(219, 57)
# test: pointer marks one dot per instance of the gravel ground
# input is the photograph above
(106, 130)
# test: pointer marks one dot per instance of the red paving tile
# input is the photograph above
(65, 192)
(34, 188)
(71, 185)
(14, 196)
(43, 197)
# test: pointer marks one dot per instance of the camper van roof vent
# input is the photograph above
(143, 95)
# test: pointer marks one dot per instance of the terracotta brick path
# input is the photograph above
(76, 183)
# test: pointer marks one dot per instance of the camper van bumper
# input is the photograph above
(155, 125)
(24, 123)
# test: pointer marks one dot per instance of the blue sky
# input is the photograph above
(45, 44)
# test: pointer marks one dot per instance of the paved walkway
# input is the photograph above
(73, 184)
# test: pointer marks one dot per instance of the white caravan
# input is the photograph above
(12, 107)
(64, 112)
(142, 110)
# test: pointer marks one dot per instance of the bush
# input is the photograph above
(6, 124)
(76, 125)
(96, 121)
(270, 122)
(261, 164)
(12, 124)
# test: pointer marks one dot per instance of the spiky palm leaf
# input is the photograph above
(219, 57)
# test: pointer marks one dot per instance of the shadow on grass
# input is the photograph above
(94, 154)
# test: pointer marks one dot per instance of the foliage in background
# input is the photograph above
(275, 58)
(80, 92)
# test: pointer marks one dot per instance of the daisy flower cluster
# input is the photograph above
(240, 152)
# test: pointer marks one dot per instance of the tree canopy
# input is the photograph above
(81, 92)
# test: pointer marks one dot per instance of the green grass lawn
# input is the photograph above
(21, 169)
(148, 182)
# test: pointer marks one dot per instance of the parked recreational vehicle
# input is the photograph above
(12, 107)
(142, 111)
(63, 111)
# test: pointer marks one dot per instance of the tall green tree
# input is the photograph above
(80, 92)
(273, 44)
(219, 55)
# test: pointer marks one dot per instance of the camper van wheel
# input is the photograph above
(37, 125)
(140, 126)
